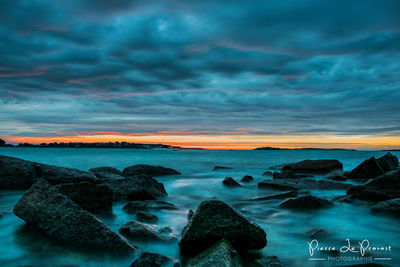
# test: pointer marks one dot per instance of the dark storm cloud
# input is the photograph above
(142, 66)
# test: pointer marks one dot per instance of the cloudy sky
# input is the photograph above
(235, 74)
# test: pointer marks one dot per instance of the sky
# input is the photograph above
(213, 74)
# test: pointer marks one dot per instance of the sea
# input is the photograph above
(346, 225)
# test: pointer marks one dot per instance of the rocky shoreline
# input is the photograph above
(64, 204)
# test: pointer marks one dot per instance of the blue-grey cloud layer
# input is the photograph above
(141, 66)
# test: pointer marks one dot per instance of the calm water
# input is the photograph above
(285, 229)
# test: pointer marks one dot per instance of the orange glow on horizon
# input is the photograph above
(223, 140)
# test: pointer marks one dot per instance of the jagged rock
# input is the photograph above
(247, 178)
(229, 181)
(381, 188)
(149, 259)
(146, 217)
(372, 167)
(221, 254)
(16, 173)
(134, 206)
(314, 166)
(56, 215)
(214, 220)
(217, 168)
(305, 202)
(271, 261)
(94, 198)
(148, 170)
(297, 184)
(278, 196)
(139, 187)
(267, 173)
(106, 173)
(61, 175)
(141, 231)
(391, 206)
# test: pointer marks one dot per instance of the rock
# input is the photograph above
(388, 162)
(106, 172)
(271, 261)
(134, 206)
(305, 202)
(221, 254)
(94, 198)
(267, 173)
(141, 231)
(297, 184)
(247, 178)
(381, 188)
(337, 176)
(146, 217)
(368, 169)
(314, 166)
(149, 259)
(391, 206)
(61, 175)
(316, 233)
(59, 217)
(139, 187)
(148, 170)
(229, 181)
(279, 167)
(214, 220)
(287, 174)
(16, 173)
(278, 196)
(217, 168)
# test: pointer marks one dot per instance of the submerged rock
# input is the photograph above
(388, 207)
(247, 178)
(229, 181)
(271, 261)
(214, 220)
(372, 167)
(267, 173)
(141, 231)
(297, 184)
(146, 217)
(57, 216)
(106, 172)
(278, 196)
(314, 166)
(221, 254)
(94, 198)
(305, 202)
(148, 170)
(149, 259)
(134, 206)
(139, 187)
(217, 168)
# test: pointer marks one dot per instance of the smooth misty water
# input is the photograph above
(285, 229)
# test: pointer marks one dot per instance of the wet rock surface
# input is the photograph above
(305, 202)
(247, 178)
(140, 231)
(148, 170)
(373, 167)
(106, 172)
(391, 207)
(134, 206)
(297, 184)
(278, 196)
(229, 181)
(56, 215)
(214, 220)
(149, 259)
(314, 166)
(146, 217)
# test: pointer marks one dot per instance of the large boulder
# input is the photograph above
(214, 220)
(383, 187)
(305, 202)
(106, 172)
(373, 167)
(149, 259)
(388, 207)
(221, 254)
(139, 187)
(297, 184)
(314, 166)
(148, 170)
(57, 216)
(21, 174)
(16, 173)
(141, 231)
(95, 198)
